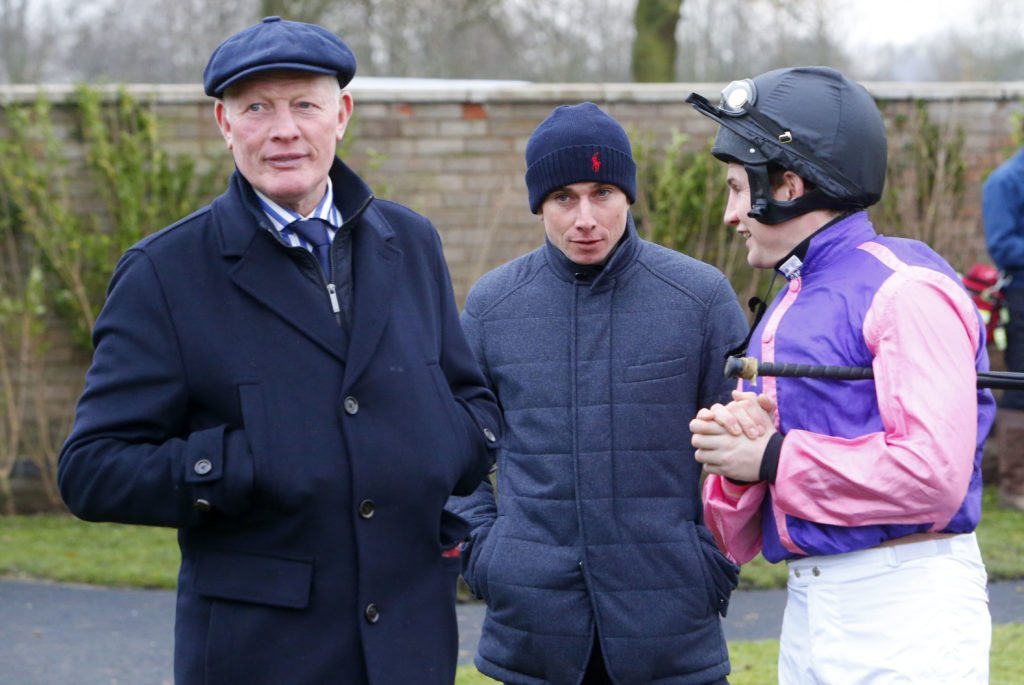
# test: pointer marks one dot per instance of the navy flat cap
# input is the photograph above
(277, 43)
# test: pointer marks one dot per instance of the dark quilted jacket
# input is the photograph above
(596, 523)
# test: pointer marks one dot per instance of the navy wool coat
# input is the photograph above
(596, 524)
(305, 468)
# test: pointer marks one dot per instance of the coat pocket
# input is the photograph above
(446, 397)
(475, 564)
(254, 427)
(454, 530)
(453, 447)
(723, 575)
(654, 369)
(253, 578)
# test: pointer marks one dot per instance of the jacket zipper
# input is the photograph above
(332, 291)
(334, 298)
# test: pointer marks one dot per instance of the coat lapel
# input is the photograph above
(375, 265)
(268, 275)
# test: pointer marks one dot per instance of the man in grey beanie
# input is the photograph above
(592, 556)
(282, 377)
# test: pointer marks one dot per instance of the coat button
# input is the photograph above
(489, 434)
(366, 508)
(351, 406)
(372, 613)
(203, 467)
(202, 505)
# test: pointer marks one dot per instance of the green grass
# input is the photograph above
(467, 675)
(753, 662)
(1006, 661)
(62, 548)
(1001, 538)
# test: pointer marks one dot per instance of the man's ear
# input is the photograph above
(792, 186)
(345, 105)
(223, 122)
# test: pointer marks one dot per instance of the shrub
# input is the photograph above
(64, 222)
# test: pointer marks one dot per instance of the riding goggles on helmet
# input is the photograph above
(737, 98)
(736, 111)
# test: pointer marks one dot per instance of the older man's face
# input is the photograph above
(283, 129)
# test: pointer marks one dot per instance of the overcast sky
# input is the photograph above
(902, 22)
(899, 22)
(865, 27)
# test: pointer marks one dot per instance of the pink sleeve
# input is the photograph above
(923, 332)
(733, 514)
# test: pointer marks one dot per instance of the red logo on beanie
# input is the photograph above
(595, 163)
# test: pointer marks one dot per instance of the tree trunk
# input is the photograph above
(309, 11)
(654, 49)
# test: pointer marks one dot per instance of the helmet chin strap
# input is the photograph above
(767, 210)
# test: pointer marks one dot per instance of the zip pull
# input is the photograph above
(334, 298)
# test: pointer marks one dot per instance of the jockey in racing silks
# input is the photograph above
(870, 490)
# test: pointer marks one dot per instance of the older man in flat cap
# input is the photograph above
(281, 376)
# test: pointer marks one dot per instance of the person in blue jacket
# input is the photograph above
(1002, 206)
(282, 377)
(591, 554)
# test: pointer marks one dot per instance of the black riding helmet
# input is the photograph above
(810, 120)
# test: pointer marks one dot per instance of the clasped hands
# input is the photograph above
(730, 439)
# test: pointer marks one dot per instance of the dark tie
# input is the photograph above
(314, 231)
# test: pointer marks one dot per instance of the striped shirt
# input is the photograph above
(339, 286)
(280, 217)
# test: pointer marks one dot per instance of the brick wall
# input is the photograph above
(456, 154)
(454, 150)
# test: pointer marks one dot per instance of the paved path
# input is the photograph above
(59, 634)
